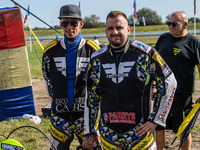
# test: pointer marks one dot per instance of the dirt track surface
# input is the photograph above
(41, 99)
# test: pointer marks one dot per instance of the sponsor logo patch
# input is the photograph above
(60, 64)
(158, 58)
(123, 72)
(82, 63)
(119, 117)
(62, 105)
(144, 47)
(145, 143)
(99, 52)
(93, 45)
(57, 134)
(10, 147)
(50, 45)
(161, 117)
(108, 146)
(176, 51)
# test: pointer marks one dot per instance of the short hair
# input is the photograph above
(114, 14)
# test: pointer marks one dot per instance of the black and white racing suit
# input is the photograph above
(123, 95)
(64, 121)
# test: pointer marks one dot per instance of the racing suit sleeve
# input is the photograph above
(92, 101)
(166, 87)
(46, 74)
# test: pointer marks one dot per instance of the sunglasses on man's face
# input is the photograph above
(174, 24)
(73, 23)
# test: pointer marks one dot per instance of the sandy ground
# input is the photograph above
(41, 99)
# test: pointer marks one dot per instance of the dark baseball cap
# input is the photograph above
(70, 11)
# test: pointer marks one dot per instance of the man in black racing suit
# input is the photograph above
(119, 85)
(64, 67)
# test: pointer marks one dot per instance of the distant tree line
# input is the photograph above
(150, 16)
(146, 15)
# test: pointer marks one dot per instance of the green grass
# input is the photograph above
(35, 61)
(53, 32)
(30, 138)
(197, 128)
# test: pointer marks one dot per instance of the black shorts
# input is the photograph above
(181, 106)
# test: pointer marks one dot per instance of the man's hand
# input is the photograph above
(90, 141)
(146, 127)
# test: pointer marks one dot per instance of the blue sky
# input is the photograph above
(48, 10)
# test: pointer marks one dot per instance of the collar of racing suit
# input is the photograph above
(81, 43)
(120, 49)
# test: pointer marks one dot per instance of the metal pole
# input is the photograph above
(194, 25)
(30, 24)
(134, 28)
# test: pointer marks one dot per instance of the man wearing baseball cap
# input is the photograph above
(64, 66)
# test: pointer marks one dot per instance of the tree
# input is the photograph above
(57, 27)
(92, 22)
(151, 17)
(191, 20)
(39, 28)
(168, 17)
(130, 20)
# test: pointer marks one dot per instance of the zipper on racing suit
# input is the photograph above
(117, 90)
